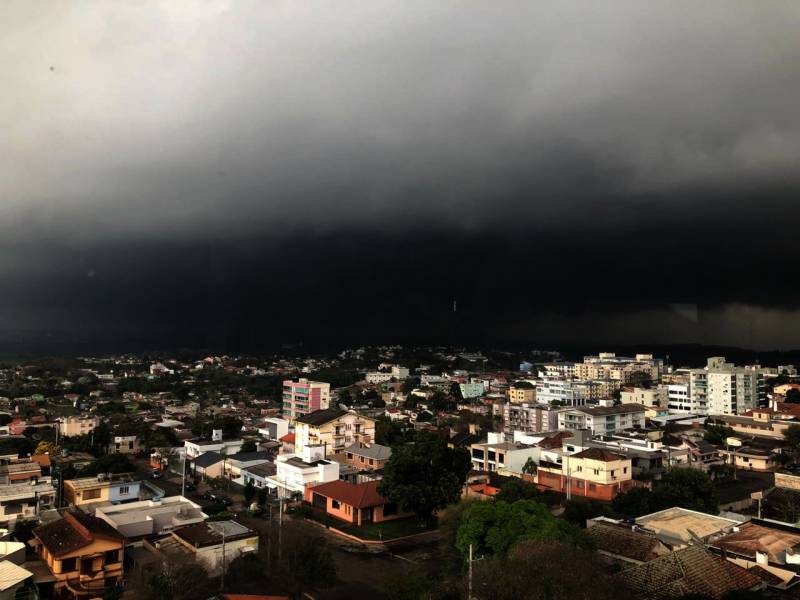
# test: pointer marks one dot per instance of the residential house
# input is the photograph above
(210, 544)
(83, 553)
(125, 444)
(293, 472)
(274, 428)
(22, 471)
(25, 500)
(233, 465)
(335, 429)
(259, 474)
(365, 456)
(88, 492)
(358, 504)
(749, 458)
(208, 465)
(16, 582)
(228, 447)
(497, 455)
(138, 519)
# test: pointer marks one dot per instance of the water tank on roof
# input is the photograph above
(216, 435)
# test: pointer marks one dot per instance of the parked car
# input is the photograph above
(156, 474)
(218, 498)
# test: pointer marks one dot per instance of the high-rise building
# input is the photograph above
(722, 388)
(303, 396)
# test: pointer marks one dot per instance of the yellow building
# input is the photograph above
(117, 487)
(82, 552)
(522, 392)
(334, 428)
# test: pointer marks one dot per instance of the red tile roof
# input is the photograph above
(288, 438)
(42, 459)
(357, 495)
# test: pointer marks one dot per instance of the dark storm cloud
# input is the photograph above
(167, 163)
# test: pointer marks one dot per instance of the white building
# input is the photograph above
(562, 391)
(195, 449)
(295, 471)
(721, 388)
(396, 372)
(602, 420)
(274, 428)
(149, 517)
(679, 400)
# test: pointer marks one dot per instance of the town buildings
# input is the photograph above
(92, 491)
(356, 503)
(73, 426)
(529, 418)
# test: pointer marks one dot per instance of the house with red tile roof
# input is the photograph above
(356, 503)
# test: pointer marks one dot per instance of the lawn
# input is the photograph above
(389, 530)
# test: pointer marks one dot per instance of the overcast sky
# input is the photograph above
(222, 172)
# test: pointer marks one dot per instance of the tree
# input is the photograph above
(246, 574)
(425, 476)
(249, 446)
(635, 502)
(517, 489)
(47, 448)
(111, 463)
(684, 487)
(791, 438)
(793, 396)
(530, 466)
(249, 492)
(309, 563)
(571, 574)
(261, 496)
(717, 434)
(492, 528)
(178, 581)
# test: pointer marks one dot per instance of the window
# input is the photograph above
(596, 471)
(624, 469)
(68, 564)
(124, 489)
(592, 487)
(335, 504)
(112, 556)
(90, 494)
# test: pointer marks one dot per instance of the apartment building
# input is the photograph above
(335, 429)
(529, 418)
(602, 420)
(473, 389)
(72, 426)
(679, 398)
(721, 388)
(396, 372)
(522, 392)
(648, 397)
(592, 473)
(303, 396)
(497, 454)
(563, 391)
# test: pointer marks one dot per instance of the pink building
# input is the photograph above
(303, 396)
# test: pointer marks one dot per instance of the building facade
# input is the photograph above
(303, 396)
(602, 420)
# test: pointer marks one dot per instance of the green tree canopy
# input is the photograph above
(494, 527)
(425, 476)
(685, 487)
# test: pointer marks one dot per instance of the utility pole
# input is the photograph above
(222, 580)
(269, 542)
(280, 523)
(183, 473)
(469, 577)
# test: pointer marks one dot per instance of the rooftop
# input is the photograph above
(357, 495)
(675, 524)
(621, 540)
(74, 531)
(601, 411)
(82, 483)
(690, 571)
(321, 417)
(375, 451)
(772, 540)
(599, 454)
(210, 534)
